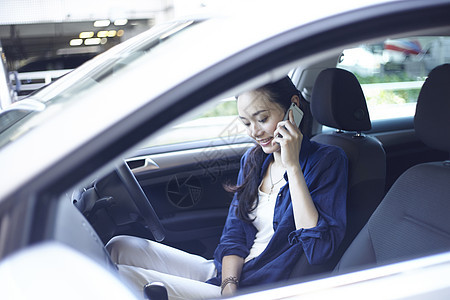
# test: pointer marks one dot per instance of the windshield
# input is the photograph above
(20, 119)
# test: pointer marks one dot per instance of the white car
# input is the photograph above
(162, 102)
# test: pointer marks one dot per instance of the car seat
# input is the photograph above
(338, 101)
(412, 220)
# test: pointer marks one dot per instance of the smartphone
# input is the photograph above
(298, 114)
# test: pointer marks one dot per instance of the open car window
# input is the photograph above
(392, 72)
(220, 121)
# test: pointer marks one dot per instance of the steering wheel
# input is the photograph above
(141, 201)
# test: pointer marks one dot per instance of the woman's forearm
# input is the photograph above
(305, 212)
(231, 273)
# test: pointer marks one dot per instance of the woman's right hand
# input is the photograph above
(229, 290)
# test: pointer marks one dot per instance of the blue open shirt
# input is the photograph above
(325, 171)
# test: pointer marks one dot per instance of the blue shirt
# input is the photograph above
(325, 171)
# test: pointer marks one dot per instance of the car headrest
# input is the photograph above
(432, 119)
(338, 101)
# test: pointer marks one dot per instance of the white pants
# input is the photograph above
(142, 261)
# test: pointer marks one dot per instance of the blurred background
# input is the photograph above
(41, 40)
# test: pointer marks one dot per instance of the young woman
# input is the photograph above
(289, 201)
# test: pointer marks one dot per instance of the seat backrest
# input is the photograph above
(338, 102)
(412, 220)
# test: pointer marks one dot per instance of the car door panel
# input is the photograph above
(185, 187)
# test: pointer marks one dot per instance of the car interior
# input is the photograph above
(177, 181)
(412, 219)
(398, 167)
(183, 182)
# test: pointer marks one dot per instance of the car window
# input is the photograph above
(392, 72)
(220, 121)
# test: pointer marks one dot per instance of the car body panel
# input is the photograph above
(415, 279)
(47, 264)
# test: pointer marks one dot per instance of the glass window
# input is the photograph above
(218, 122)
(392, 72)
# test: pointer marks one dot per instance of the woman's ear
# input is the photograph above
(296, 99)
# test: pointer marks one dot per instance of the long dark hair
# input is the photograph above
(279, 92)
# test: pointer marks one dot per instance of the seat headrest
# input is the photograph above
(432, 119)
(338, 101)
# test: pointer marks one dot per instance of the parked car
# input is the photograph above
(160, 106)
(415, 54)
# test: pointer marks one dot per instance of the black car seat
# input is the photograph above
(338, 101)
(413, 218)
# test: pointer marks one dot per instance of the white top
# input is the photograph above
(263, 222)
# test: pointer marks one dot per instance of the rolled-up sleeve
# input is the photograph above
(327, 182)
(234, 239)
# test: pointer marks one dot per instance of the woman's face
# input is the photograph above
(260, 116)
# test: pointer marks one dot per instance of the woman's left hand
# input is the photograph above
(290, 141)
